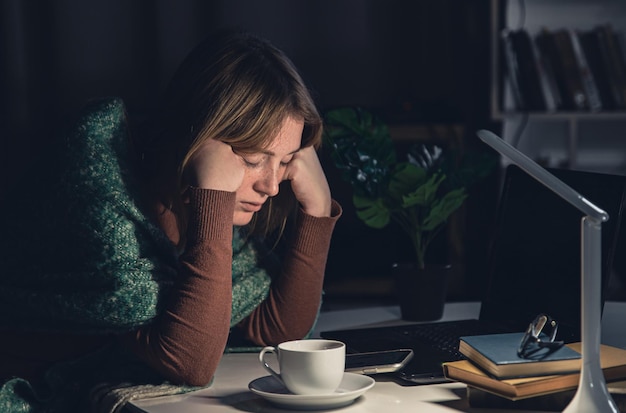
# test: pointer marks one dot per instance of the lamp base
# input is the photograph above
(592, 395)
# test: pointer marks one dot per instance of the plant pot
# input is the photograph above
(421, 292)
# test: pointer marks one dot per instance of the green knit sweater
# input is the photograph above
(79, 255)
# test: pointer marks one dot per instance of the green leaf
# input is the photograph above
(406, 178)
(372, 212)
(443, 208)
(425, 194)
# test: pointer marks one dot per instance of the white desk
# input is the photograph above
(230, 393)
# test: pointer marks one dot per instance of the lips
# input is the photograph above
(251, 206)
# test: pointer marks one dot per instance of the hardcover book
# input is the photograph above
(547, 55)
(609, 45)
(588, 80)
(553, 402)
(612, 360)
(497, 355)
(555, 47)
(597, 59)
(571, 70)
(523, 70)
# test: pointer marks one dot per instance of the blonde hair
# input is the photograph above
(236, 88)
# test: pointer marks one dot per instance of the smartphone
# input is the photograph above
(378, 361)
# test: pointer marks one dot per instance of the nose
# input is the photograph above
(268, 182)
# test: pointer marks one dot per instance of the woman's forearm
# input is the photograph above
(186, 342)
(294, 299)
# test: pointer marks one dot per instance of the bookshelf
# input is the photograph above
(578, 139)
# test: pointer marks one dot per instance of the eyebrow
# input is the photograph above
(270, 153)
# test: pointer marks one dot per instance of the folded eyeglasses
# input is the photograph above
(540, 334)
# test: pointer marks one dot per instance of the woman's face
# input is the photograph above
(265, 170)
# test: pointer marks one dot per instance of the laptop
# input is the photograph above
(534, 266)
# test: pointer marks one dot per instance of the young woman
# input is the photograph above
(238, 122)
(228, 172)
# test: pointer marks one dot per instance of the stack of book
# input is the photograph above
(497, 377)
(566, 69)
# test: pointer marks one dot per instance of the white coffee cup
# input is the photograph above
(314, 366)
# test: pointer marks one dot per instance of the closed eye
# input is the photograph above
(251, 163)
(251, 160)
(286, 162)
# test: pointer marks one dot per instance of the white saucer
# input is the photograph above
(352, 386)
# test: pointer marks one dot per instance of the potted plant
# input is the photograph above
(419, 194)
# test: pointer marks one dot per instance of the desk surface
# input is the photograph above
(230, 393)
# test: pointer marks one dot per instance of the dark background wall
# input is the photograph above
(413, 62)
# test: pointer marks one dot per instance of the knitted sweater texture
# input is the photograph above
(82, 257)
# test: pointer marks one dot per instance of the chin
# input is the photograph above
(241, 219)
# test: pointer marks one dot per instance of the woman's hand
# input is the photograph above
(216, 166)
(309, 183)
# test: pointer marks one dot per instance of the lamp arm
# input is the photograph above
(543, 176)
(592, 395)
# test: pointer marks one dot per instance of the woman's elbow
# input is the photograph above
(197, 379)
(195, 374)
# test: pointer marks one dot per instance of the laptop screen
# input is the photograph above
(535, 262)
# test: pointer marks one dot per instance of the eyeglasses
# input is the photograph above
(540, 334)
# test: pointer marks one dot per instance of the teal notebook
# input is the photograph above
(497, 355)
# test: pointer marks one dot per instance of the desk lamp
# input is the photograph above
(592, 395)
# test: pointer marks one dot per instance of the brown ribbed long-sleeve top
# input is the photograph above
(187, 341)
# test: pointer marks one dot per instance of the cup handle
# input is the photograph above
(264, 351)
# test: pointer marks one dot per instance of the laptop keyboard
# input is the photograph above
(432, 343)
(445, 335)
(441, 336)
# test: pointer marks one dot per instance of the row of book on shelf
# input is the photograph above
(497, 377)
(566, 69)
